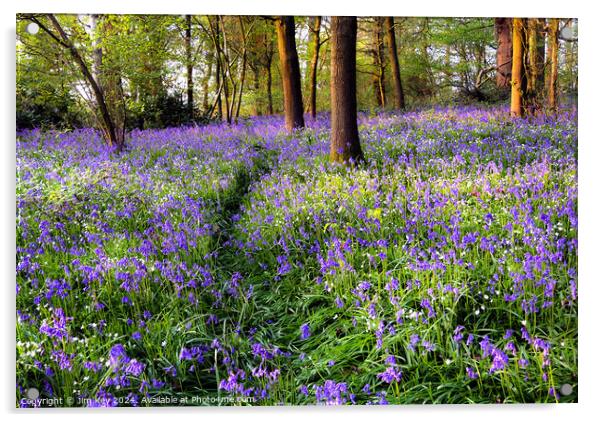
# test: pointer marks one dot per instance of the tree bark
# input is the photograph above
(244, 66)
(189, 70)
(535, 64)
(392, 44)
(379, 63)
(291, 75)
(345, 143)
(269, 88)
(541, 54)
(519, 77)
(532, 63)
(219, 83)
(96, 48)
(256, 97)
(218, 89)
(226, 70)
(269, 54)
(206, 79)
(553, 61)
(503, 31)
(314, 66)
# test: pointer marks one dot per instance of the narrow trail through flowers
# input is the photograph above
(235, 263)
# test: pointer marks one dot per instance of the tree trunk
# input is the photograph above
(569, 60)
(519, 77)
(189, 81)
(291, 75)
(553, 61)
(244, 66)
(379, 63)
(269, 88)
(533, 64)
(218, 89)
(541, 55)
(503, 31)
(206, 79)
(111, 135)
(226, 71)
(96, 48)
(269, 48)
(256, 99)
(314, 66)
(345, 143)
(219, 83)
(394, 60)
(222, 68)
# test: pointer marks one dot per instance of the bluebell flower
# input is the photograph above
(305, 331)
(390, 374)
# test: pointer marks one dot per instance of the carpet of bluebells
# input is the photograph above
(233, 265)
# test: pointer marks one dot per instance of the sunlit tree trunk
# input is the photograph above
(96, 47)
(553, 65)
(533, 65)
(394, 60)
(379, 62)
(313, 75)
(344, 143)
(291, 75)
(503, 31)
(519, 77)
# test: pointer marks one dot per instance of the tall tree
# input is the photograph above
(206, 79)
(379, 62)
(519, 76)
(245, 35)
(313, 71)
(291, 75)
(255, 57)
(503, 32)
(394, 60)
(189, 80)
(219, 81)
(226, 67)
(345, 142)
(269, 56)
(541, 54)
(96, 47)
(553, 64)
(534, 66)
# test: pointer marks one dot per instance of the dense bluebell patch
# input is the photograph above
(235, 261)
